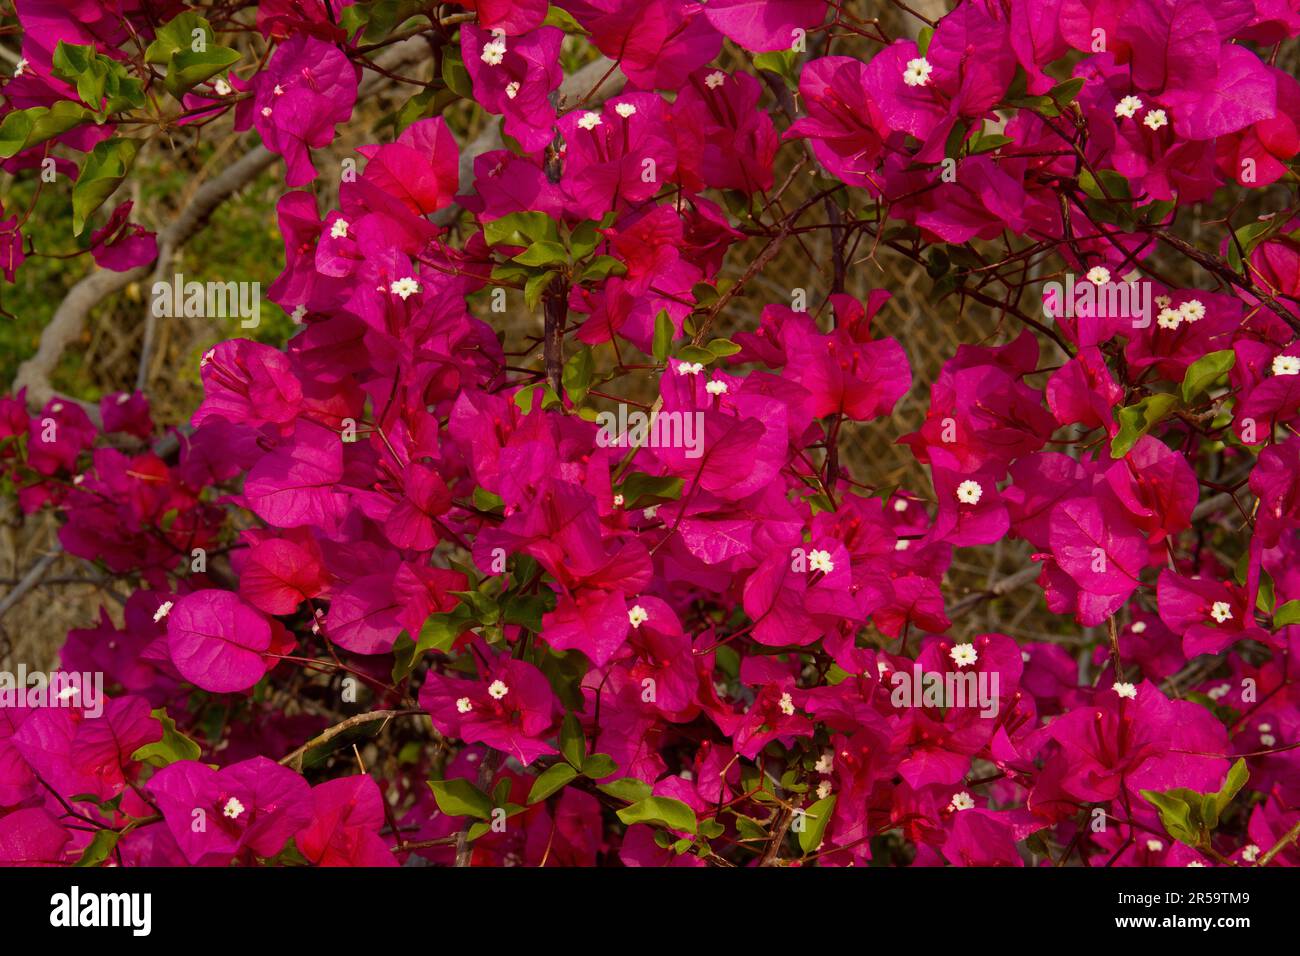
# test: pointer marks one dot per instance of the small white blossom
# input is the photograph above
(649, 513)
(820, 561)
(1219, 692)
(900, 504)
(207, 358)
(690, 368)
(1155, 119)
(1221, 611)
(266, 111)
(825, 763)
(233, 808)
(1163, 301)
(961, 801)
(494, 52)
(339, 230)
(512, 89)
(625, 109)
(1127, 107)
(1125, 689)
(405, 288)
(902, 544)
(786, 704)
(1250, 852)
(715, 79)
(1268, 740)
(164, 609)
(1193, 310)
(1196, 863)
(618, 501)
(716, 388)
(464, 706)
(1169, 319)
(299, 313)
(498, 689)
(1264, 728)
(1139, 627)
(1286, 365)
(963, 654)
(221, 87)
(970, 492)
(918, 72)
(823, 790)
(21, 67)
(637, 616)
(1098, 275)
(1155, 846)
(589, 120)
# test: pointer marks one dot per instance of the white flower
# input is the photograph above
(902, 544)
(339, 230)
(589, 120)
(1216, 693)
(1162, 301)
(1127, 107)
(233, 808)
(715, 79)
(464, 706)
(1155, 119)
(494, 52)
(404, 287)
(512, 89)
(299, 313)
(625, 109)
(1267, 740)
(498, 689)
(900, 504)
(716, 388)
(1139, 627)
(1098, 275)
(649, 513)
(1125, 689)
(618, 501)
(1155, 846)
(56, 407)
(122, 398)
(279, 90)
(1264, 728)
(1221, 611)
(221, 87)
(823, 790)
(689, 368)
(266, 111)
(918, 72)
(961, 801)
(786, 704)
(963, 654)
(637, 616)
(1024, 656)
(1193, 310)
(1196, 863)
(1286, 365)
(207, 357)
(1250, 852)
(1169, 319)
(78, 479)
(970, 492)
(164, 608)
(820, 561)
(20, 67)
(825, 763)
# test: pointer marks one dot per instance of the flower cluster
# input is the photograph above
(401, 532)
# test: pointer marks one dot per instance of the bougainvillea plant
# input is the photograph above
(404, 590)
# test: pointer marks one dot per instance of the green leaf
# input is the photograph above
(554, 778)
(923, 38)
(629, 789)
(721, 348)
(665, 811)
(816, 818)
(1288, 613)
(1136, 420)
(520, 229)
(1111, 182)
(189, 68)
(599, 766)
(102, 172)
(781, 62)
(543, 252)
(22, 129)
(536, 287)
(1205, 370)
(1175, 815)
(640, 490)
(579, 369)
(173, 746)
(664, 333)
(573, 743)
(693, 353)
(460, 798)
(175, 45)
(438, 633)
(583, 238)
(455, 75)
(555, 17)
(99, 848)
(601, 268)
